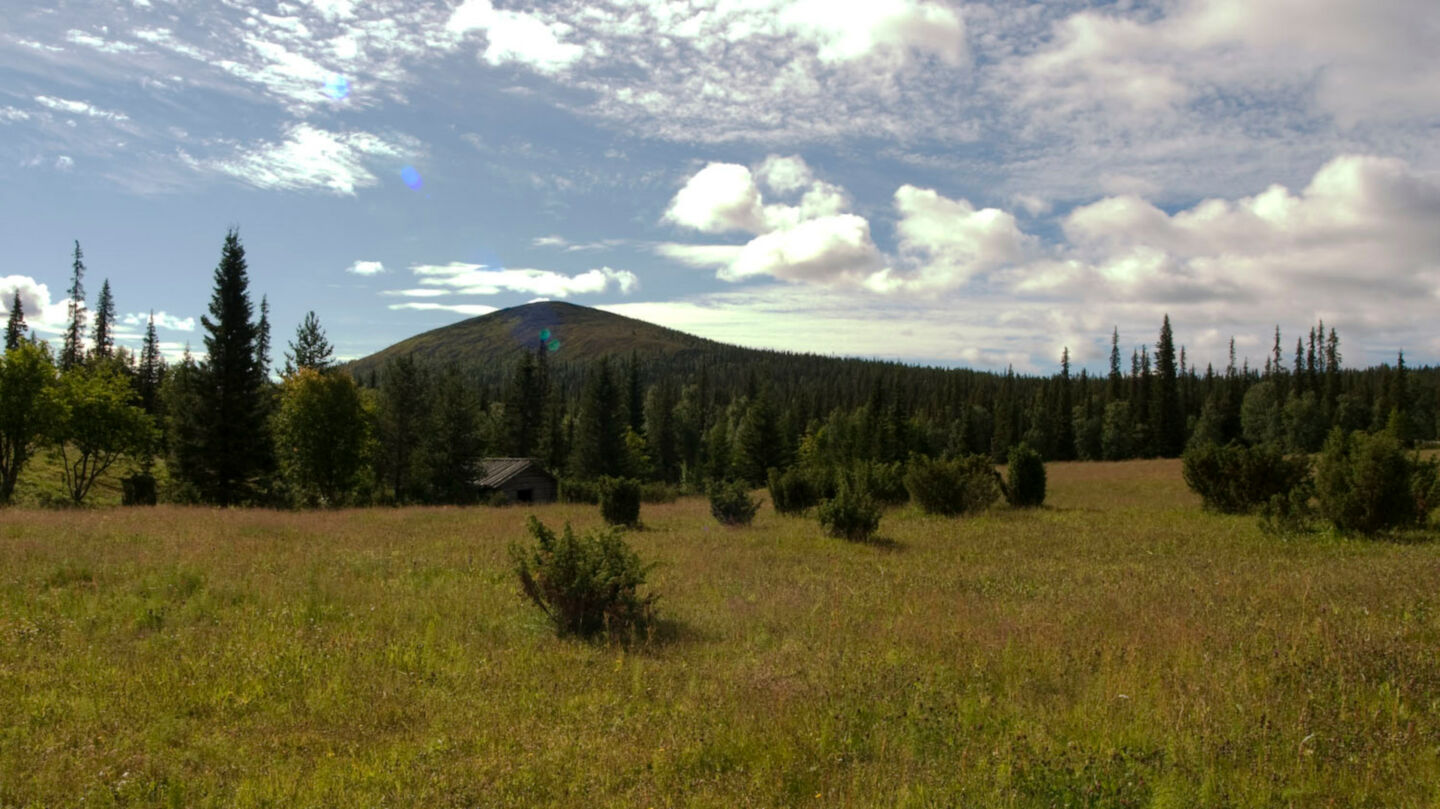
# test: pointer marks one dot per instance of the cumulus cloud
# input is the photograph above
(886, 28)
(948, 242)
(720, 197)
(41, 313)
(826, 250)
(478, 279)
(515, 36)
(366, 268)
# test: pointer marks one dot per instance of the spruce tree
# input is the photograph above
(600, 439)
(634, 398)
(104, 323)
(233, 421)
(15, 326)
(1168, 423)
(403, 416)
(73, 353)
(524, 410)
(151, 373)
(262, 339)
(310, 349)
(1113, 390)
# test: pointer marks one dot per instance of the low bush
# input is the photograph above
(579, 491)
(1235, 479)
(620, 501)
(1024, 477)
(885, 482)
(586, 585)
(792, 491)
(1368, 483)
(731, 503)
(952, 487)
(851, 514)
(657, 492)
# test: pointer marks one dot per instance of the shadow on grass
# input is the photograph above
(882, 543)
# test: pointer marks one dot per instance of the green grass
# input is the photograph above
(1116, 648)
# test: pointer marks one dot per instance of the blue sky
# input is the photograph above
(967, 184)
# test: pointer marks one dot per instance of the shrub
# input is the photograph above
(585, 585)
(885, 482)
(658, 492)
(731, 503)
(792, 491)
(957, 486)
(1366, 483)
(851, 514)
(1290, 513)
(579, 491)
(138, 490)
(620, 501)
(1235, 480)
(1024, 477)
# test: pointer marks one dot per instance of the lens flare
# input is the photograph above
(544, 335)
(337, 87)
(411, 178)
(553, 345)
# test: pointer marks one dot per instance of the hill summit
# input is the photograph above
(570, 332)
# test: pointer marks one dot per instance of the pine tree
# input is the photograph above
(104, 323)
(233, 422)
(309, 349)
(1169, 425)
(1113, 390)
(15, 326)
(402, 418)
(524, 409)
(634, 399)
(73, 353)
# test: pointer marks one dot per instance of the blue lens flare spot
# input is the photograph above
(544, 335)
(337, 87)
(411, 178)
(553, 345)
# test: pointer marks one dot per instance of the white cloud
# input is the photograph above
(948, 242)
(827, 250)
(892, 29)
(41, 313)
(12, 114)
(515, 36)
(64, 163)
(309, 159)
(705, 256)
(718, 198)
(366, 268)
(461, 308)
(86, 109)
(163, 320)
(477, 279)
(428, 292)
(785, 175)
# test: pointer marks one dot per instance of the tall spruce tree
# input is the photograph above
(73, 353)
(524, 409)
(1169, 423)
(600, 435)
(262, 339)
(1113, 389)
(634, 395)
(233, 421)
(310, 349)
(151, 373)
(15, 326)
(104, 347)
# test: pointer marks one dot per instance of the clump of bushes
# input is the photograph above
(1235, 479)
(852, 513)
(792, 491)
(951, 487)
(620, 501)
(885, 482)
(586, 585)
(573, 490)
(1367, 483)
(731, 503)
(1025, 477)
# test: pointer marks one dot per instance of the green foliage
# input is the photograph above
(310, 348)
(1235, 479)
(401, 416)
(792, 491)
(885, 482)
(600, 435)
(731, 503)
(585, 585)
(139, 490)
(95, 421)
(620, 501)
(15, 323)
(322, 436)
(1292, 512)
(952, 487)
(852, 513)
(579, 490)
(1025, 477)
(26, 376)
(1117, 439)
(1366, 483)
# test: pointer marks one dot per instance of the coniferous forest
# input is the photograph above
(231, 426)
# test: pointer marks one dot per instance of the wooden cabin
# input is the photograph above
(521, 480)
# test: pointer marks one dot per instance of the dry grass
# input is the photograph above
(1116, 648)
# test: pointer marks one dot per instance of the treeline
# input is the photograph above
(415, 433)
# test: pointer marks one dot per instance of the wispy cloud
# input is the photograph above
(366, 268)
(311, 159)
(472, 309)
(163, 320)
(477, 279)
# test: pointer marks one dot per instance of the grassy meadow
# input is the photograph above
(1116, 648)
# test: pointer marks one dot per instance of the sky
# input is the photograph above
(964, 184)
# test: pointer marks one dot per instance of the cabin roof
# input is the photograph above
(495, 472)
